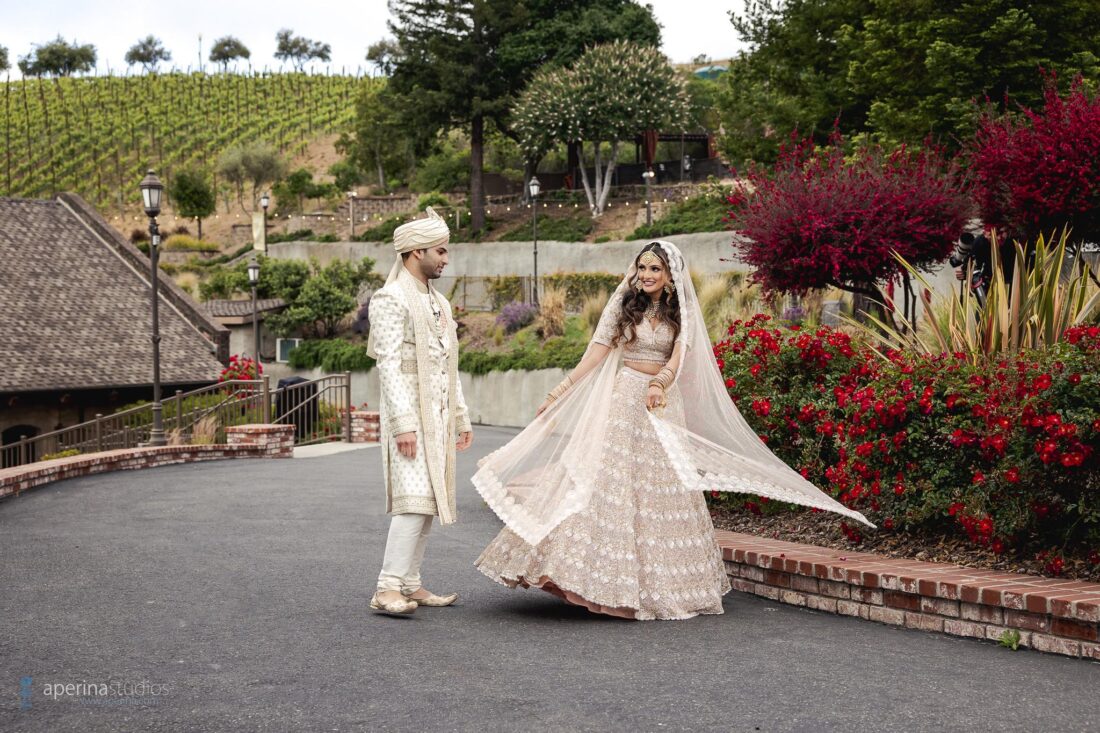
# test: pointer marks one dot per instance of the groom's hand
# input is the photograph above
(406, 444)
(465, 440)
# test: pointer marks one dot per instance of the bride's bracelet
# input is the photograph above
(560, 389)
(663, 379)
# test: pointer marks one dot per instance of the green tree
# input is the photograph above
(4, 64)
(299, 50)
(384, 54)
(462, 64)
(193, 195)
(891, 70)
(379, 141)
(148, 52)
(922, 66)
(228, 49)
(59, 58)
(325, 299)
(612, 93)
(256, 163)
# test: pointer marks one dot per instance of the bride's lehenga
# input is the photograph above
(603, 500)
(644, 547)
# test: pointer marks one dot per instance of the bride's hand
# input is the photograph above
(655, 397)
(542, 408)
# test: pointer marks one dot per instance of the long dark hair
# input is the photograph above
(635, 302)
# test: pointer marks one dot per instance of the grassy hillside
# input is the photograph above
(97, 135)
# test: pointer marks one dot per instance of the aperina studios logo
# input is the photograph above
(114, 692)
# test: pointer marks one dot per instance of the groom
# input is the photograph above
(423, 414)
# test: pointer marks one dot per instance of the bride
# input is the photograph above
(602, 494)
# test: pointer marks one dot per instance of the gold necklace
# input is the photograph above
(652, 309)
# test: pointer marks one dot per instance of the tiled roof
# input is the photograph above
(75, 306)
(233, 308)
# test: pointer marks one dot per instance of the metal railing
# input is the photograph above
(319, 409)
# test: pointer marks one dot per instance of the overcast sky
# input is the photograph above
(689, 27)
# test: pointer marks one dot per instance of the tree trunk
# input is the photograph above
(477, 191)
(584, 180)
(598, 175)
(199, 218)
(607, 175)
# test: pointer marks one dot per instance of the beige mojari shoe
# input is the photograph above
(433, 600)
(403, 607)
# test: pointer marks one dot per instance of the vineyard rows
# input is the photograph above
(96, 136)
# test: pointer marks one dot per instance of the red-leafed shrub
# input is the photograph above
(820, 220)
(1039, 171)
(1005, 453)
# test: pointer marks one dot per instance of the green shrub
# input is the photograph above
(580, 286)
(382, 232)
(572, 228)
(705, 213)
(432, 198)
(447, 170)
(61, 454)
(529, 353)
(298, 235)
(185, 243)
(603, 238)
(503, 290)
(331, 355)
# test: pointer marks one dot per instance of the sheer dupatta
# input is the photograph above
(546, 473)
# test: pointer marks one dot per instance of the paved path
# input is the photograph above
(241, 586)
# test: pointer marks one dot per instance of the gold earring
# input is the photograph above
(638, 287)
(668, 289)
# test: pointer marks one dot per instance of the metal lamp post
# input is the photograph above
(265, 201)
(648, 176)
(254, 280)
(351, 203)
(151, 191)
(533, 188)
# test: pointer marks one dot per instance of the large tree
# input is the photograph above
(462, 64)
(298, 50)
(148, 52)
(612, 93)
(228, 49)
(4, 64)
(893, 70)
(59, 58)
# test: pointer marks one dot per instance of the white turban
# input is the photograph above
(431, 231)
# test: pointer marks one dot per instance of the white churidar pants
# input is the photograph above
(404, 552)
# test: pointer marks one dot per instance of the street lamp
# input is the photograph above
(265, 201)
(351, 203)
(533, 188)
(254, 280)
(151, 190)
(647, 175)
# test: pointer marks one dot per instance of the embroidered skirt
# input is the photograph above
(644, 548)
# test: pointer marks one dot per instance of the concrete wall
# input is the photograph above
(505, 399)
(704, 252)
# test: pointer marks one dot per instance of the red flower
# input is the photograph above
(888, 523)
(977, 478)
(1012, 475)
(731, 383)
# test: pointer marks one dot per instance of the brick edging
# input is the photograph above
(244, 441)
(1051, 615)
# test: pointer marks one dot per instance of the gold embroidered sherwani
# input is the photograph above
(416, 342)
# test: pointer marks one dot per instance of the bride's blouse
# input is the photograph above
(653, 344)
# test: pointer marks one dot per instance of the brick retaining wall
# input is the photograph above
(243, 441)
(1051, 615)
(365, 427)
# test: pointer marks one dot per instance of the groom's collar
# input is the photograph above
(420, 287)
